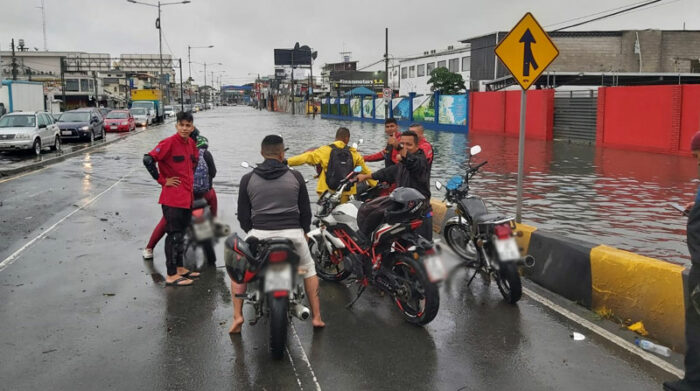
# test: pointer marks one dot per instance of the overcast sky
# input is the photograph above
(244, 33)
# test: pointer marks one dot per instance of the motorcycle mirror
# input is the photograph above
(354, 145)
(475, 150)
(245, 165)
(438, 185)
(361, 140)
(358, 169)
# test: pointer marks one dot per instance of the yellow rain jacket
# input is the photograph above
(321, 156)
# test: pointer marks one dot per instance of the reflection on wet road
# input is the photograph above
(81, 310)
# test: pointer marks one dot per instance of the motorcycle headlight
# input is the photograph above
(85, 128)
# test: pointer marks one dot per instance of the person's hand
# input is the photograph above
(689, 206)
(392, 141)
(173, 181)
(399, 157)
(306, 236)
(363, 177)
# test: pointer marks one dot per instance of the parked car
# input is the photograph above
(29, 131)
(169, 111)
(85, 123)
(104, 111)
(119, 121)
(197, 108)
(56, 116)
(142, 116)
(188, 108)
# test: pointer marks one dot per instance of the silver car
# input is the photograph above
(29, 131)
(141, 116)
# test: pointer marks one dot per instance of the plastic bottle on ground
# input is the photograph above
(652, 347)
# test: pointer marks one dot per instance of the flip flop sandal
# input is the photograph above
(191, 275)
(178, 282)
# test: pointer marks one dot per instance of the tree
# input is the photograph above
(446, 82)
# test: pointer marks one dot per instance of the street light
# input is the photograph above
(189, 60)
(160, 32)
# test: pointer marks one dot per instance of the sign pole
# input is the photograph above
(521, 157)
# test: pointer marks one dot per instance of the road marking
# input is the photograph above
(305, 358)
(21, 175)
(294, 368)
(666, 366)
(13, 257)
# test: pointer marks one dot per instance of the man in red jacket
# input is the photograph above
(390, 153)
(177, 157)
(423, 143)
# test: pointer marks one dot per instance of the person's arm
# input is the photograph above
(210, 164)
(359, 161)
(375, 157)
(312, 157)
(385, 174)
(417, 167)
(244, 207)
(156, 155)
(304, 204)
(427, 150)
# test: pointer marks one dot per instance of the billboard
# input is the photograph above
(358, 78)
(301, 56)
(453, 109)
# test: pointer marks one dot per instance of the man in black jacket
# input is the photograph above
(691, 381)
(412, 171)
(273, 202)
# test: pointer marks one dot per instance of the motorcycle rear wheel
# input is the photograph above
(458, 237)
(325, 267)
(509, 283)
(420, 301)
(278, 324)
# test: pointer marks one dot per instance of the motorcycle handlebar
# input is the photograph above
(478, 166)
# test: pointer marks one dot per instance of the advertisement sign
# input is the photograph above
(367, 107)
(380, 107)
(356, 107)
(423, 110)
(453, 109)
(401, 108)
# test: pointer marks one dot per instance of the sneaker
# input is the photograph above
(681, 385)
(147, 253)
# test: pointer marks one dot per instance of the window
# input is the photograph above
(404, 72)
(429, 67)
(92, 85)
(442, 64)
(454, 65)
(72, 85)
(466, 64)
(84, 85)
(42, 120)
(412, 71)
(421, 70)
(49, 119)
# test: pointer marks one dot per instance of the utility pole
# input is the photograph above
(63, 83)
(205, 85)
(386, 69)
(14, 61)
(293, 108)
(182, 100)
(160, 51)
(43, 23)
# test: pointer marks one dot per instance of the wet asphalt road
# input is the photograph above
(80, 309)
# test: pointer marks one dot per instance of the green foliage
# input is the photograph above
(446, 82)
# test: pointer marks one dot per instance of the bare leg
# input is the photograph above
(237, 310)
(311, 287)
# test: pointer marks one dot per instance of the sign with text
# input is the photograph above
(527, 51)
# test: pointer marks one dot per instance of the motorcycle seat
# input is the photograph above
(199, 203)
(488, 217)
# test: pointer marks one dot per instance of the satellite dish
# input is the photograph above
(296, 46)
(314, 55)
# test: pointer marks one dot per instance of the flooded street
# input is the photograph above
(82, 310)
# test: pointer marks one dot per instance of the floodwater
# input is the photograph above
(604, 196)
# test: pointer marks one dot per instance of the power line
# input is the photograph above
(609, 15)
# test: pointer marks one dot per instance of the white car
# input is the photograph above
(29, 131)
(142, 117)
(169, 111)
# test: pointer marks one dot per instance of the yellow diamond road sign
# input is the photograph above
(527, 51)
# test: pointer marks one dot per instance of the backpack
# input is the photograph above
(201, 175)
(340, 164)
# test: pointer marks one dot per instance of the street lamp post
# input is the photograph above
(160, 33)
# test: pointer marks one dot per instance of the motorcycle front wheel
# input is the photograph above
(459, 238)
(327, 267)
(278, 324)
(509, 283)
(417, 298)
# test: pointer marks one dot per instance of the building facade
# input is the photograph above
(414, 72)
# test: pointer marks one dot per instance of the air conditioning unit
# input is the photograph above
(432, 51)
(450, 47)
(426, 53)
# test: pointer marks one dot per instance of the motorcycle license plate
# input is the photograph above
(507, 249)
(435, 268)
(278, 278)
(203, 231)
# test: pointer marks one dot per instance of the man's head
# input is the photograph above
(184, 124)
(272, 147)
(695, 146)
(409, 141)
(390, 126)
(418, 129)
(342, 134)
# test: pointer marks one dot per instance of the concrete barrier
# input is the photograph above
(609, 281)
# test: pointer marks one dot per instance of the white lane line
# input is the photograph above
(666, 366)
(294, 368)
(21, 175)
(13, 257)
(306, 358)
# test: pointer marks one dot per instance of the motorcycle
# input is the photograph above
(380, 248)
(486, 241)
(269, 267)
(204, 230)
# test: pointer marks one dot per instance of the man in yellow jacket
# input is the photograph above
(321, 156)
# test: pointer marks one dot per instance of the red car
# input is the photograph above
(119, 121)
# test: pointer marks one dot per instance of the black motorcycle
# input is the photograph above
(269, 267)
(204, 230)
(484, 240)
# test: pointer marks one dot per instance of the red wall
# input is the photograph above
(499, 112)
(690, 116)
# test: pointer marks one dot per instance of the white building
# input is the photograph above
(415, 71)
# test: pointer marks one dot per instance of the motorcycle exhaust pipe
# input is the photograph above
(301, 312)
(527, 261)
